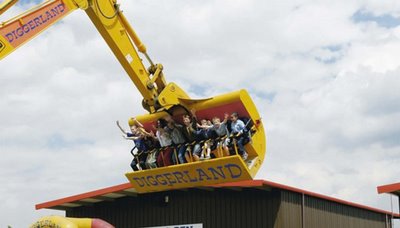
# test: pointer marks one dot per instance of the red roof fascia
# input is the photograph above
(82, 196)
(390, 188)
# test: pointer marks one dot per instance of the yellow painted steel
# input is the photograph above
(4, 6)
(111, 24)
(62, 222)
(201, 173)
(24, 27)
(213, 171)
(117, 37)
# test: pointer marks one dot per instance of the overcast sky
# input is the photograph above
(324, 76)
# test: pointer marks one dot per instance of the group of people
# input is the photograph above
(174, 143)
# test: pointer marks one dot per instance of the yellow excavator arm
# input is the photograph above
(111, 24)
(4, 6)
(160, 99)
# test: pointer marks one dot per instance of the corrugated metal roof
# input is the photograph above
(122, 190)
(390, 188)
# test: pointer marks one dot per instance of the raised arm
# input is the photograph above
(226, 117)
(120, 128)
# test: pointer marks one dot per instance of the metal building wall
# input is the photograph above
(318, 213)
(290, 212)
(217, 208)
(235, 207)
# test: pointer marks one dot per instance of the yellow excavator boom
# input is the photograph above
(111, 24)
(160, 99)
(4, 6)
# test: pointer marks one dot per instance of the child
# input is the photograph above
(221, 130)
(189, 131)
(138, 134)
(206, 132)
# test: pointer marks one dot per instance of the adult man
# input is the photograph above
(176, 132)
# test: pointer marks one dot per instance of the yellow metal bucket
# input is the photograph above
(213, 171)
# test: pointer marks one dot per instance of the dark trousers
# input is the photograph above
(142, 161)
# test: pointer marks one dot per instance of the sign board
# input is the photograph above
(202, 173)
(197, 225)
